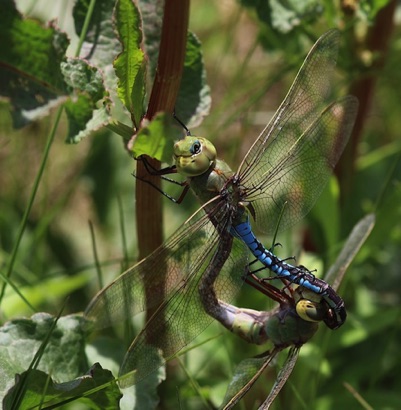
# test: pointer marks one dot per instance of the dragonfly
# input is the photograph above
(203, 261)
(284, 171)
(291, 324)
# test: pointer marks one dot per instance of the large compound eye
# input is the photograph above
(310, 311)
(196, 147)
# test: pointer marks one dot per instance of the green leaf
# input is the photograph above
(84, 112)
(20, 339)
(121, 129)
(130, 65)
(157, 138)
(152, 19)
(142, 395)
(40, 388)
(194, 101)
(30, 74)
(284, 15)
(146, 394)
(288, 14)
(46, 291)
(35, 75)
(79, 75)
(101, 44)
(279, 18)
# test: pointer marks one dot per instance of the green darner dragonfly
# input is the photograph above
(181, 317)
(206, 259)
(284, 171)
(291, 324)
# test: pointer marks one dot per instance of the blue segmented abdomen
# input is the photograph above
(295, 274)
(280, 268)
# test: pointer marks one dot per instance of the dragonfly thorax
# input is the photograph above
(194, 156)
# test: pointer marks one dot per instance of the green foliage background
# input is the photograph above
(251, 55)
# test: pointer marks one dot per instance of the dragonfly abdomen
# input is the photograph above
(282, 269)
(295, 274)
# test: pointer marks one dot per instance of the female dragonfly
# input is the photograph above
(284, 171)
(291, 324)
(202, 260)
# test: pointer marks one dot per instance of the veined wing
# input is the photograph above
(167, 269)
(293, 157)
(182, 317)
(179, 315)
(245, 375)
(282, 377)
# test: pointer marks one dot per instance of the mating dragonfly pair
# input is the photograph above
(203, 264)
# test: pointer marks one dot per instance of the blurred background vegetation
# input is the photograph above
(251, 58)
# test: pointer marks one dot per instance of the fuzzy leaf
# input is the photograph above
(36, 75)
(101, 45)
(30, 75)
(37, 387)
(286, 15)
(86, 83)
(152, 20)
(20, 339)
(194, 101)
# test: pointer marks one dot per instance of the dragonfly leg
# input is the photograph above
(307, 271)
(172, 199)
(150, 169)
(267, 289)
(252, 263)
(275, 245)
(161, 173)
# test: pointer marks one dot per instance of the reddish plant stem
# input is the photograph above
(163, 96)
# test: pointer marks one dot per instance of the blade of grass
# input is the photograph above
(17, 291)
(32, 197)
(19, 394)
(358, 397)
(125, 263)
(194, 384)
(95, 256)
(39, 175)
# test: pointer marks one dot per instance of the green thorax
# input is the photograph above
(286, 328)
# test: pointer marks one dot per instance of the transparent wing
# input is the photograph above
(282, 377)
(179, 315)
(245, 375)
(182, 317)
(146, 284)
(293, 157)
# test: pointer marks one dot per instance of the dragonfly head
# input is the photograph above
(194, 156)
